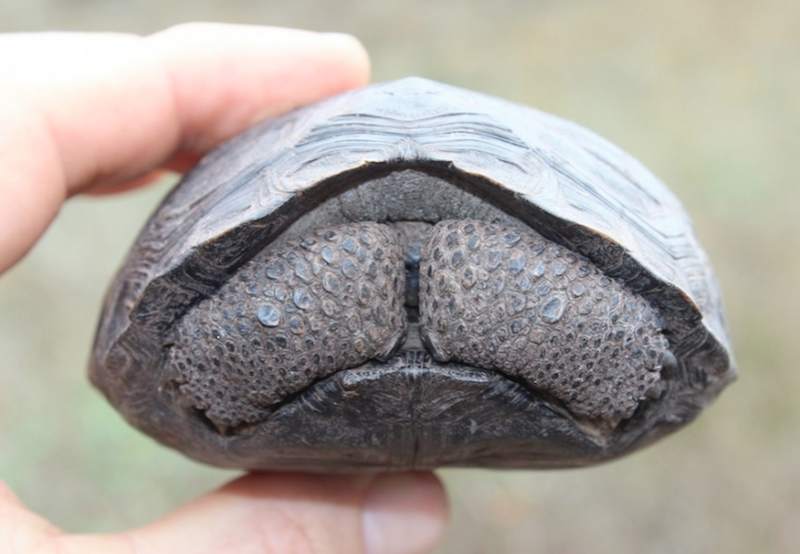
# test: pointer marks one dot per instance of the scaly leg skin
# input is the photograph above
(489, 296)
(328, 301)
(508, 299)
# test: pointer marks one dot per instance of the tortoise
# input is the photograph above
(413, 275)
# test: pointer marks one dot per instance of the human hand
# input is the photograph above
(103, 113)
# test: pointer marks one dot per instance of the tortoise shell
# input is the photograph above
(413, 275)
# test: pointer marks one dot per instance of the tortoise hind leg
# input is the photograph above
(508, 299)
(318, 304)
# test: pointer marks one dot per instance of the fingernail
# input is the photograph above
(344, 41)
(343, 37)
(354, 47)
(404, 514)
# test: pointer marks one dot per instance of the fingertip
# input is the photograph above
(225, 76)
(19, 526)
(353, 51)
(404, 514)
(7, 496)
(336, 45)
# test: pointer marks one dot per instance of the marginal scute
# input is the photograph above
(521, 304)
(324, 302)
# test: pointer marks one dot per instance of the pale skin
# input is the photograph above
(104, 113)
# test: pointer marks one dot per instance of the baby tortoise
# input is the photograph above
(413, 275)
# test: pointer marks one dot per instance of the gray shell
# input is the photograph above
(567, 183)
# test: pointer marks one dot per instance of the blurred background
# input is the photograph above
(704, 93)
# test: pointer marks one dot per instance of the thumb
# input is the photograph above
(273, 513)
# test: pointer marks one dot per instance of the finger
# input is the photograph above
(123, 186)
(179, 163)
(81, 110)
(290, 514)
(20, 530)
